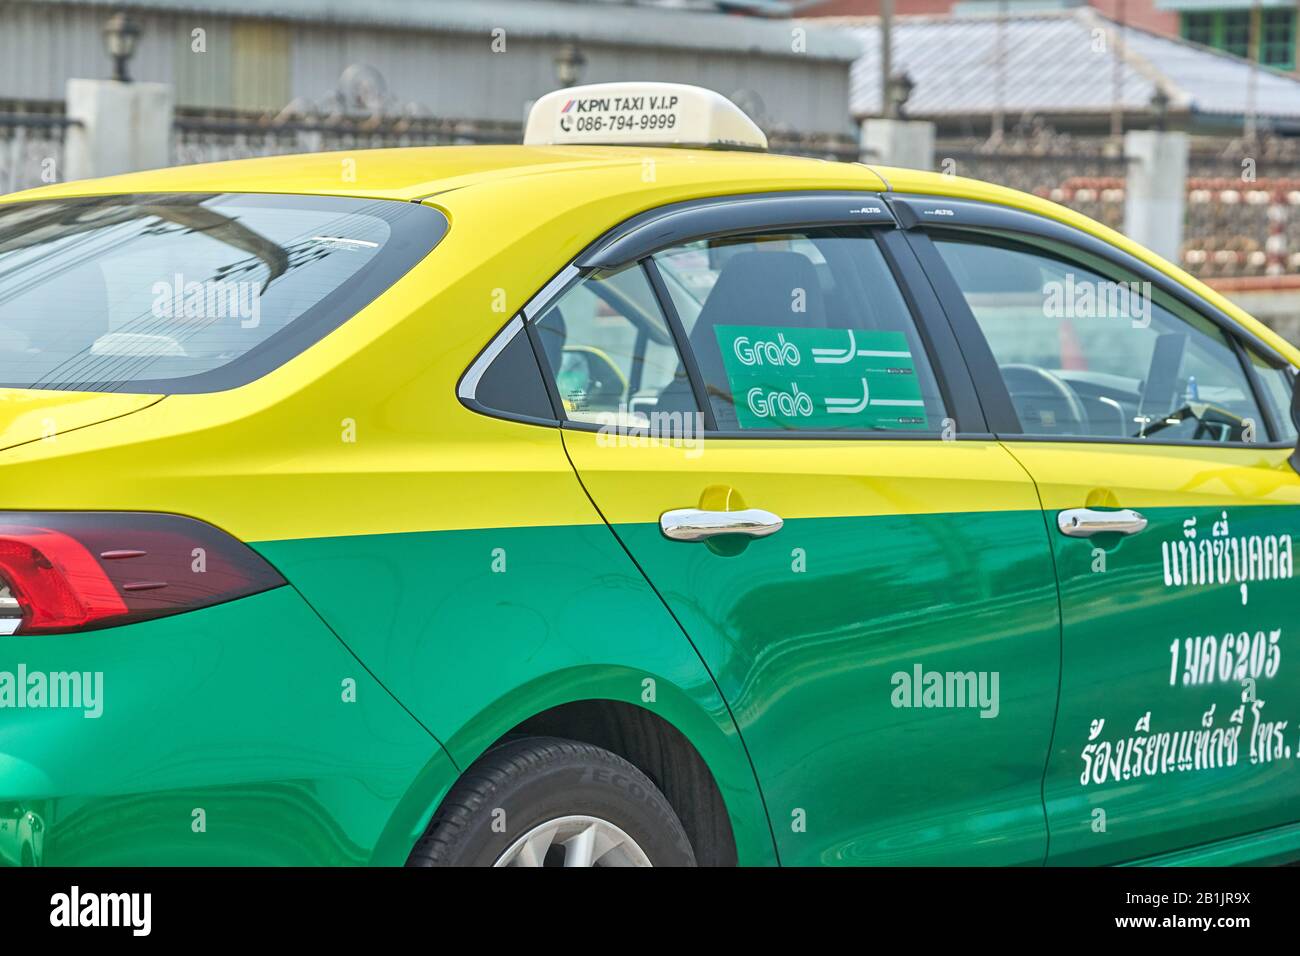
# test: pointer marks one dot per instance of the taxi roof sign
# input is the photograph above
(640, 114)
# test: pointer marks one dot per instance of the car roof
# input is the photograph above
(413, 173)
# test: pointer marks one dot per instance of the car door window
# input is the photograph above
(801, 331)
(610, 349)
(1086, 351)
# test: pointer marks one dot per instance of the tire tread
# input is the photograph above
(493, 774)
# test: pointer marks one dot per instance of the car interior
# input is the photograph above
(1086, 370)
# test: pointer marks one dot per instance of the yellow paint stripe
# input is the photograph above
(802, 478)
(1154, 476)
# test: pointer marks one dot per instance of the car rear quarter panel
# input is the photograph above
(225, 736)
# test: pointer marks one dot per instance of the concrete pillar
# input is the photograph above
(123, 127)
(1155, 193)
(895, 142)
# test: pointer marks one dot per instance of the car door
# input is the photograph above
(1158, 435)
(757, 400)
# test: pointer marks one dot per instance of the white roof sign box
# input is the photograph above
(640, 114)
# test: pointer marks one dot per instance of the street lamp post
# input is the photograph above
(1250, 122)
(896, 94)
(1160, 109)
(121, 34)
(569, 63)
(997, 127)
(886, 56)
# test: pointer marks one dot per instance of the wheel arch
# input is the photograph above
(660, 751)
(681, 737)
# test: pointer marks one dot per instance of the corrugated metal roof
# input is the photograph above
(1055, 63)
(1214, 82)
(602, 22)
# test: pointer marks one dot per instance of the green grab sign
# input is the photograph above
(821, 379)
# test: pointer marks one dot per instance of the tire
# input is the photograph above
(547, 785)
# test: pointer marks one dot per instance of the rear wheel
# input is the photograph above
(544, 801)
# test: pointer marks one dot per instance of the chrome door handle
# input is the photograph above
(695, 524)
(1084, 522)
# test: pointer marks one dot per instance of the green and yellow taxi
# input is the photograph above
(632, 496)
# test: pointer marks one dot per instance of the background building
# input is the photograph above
(479, 61)
(1264, 30)
(1073, 70)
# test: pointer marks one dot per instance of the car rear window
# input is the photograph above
(190, 293)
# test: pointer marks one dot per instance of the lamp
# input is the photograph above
(121, 34)
(899, 89)
(569, 63)
(1159, 108)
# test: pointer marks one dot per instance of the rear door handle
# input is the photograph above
(1085, 522)
(695, 524)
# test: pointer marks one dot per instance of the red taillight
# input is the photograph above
(72, 571)
(57, 583)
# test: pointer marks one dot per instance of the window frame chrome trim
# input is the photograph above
(467, 387)
(551, 291)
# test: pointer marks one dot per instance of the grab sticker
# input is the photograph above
(821, 379)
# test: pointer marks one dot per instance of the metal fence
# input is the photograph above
(1242, 215)
(31, 147)
(32, 138)
(1085, 174)
(204, 139)
(1242, 200)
